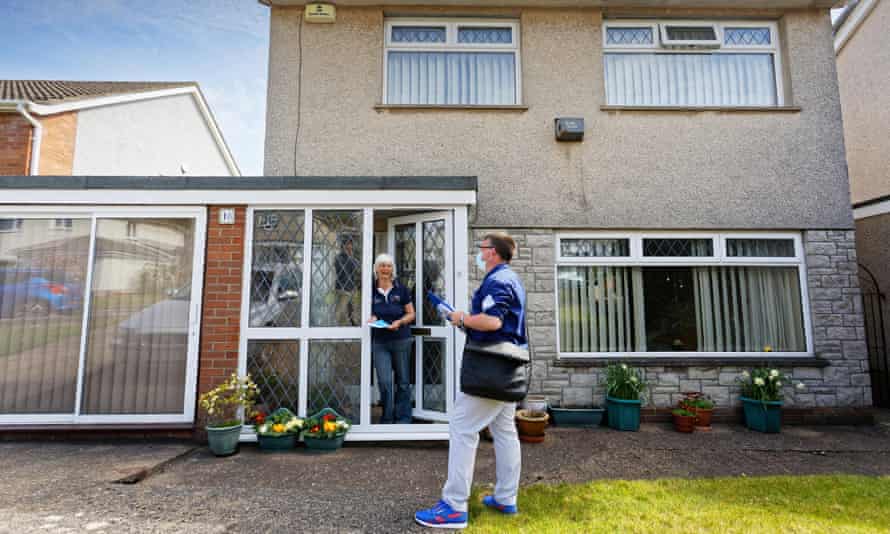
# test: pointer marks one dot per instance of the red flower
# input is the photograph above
(329, 417)
(260, 418)
(314, 429)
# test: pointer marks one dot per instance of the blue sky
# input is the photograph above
(221, 44)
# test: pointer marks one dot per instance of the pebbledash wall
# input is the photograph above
(837, 384)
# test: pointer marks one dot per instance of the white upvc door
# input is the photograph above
(423, 248)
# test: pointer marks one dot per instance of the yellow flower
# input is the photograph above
(278, 427)
(330, 426)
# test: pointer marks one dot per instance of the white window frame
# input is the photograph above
(16, 225)
(714, 43)
(94, 214)
(637, 259)
(452, 25)
(658, 45)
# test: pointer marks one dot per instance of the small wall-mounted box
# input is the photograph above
(569, 129)
(227, 216)
(320, 13)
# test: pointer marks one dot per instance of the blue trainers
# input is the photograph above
(441, 516)
(508, 509)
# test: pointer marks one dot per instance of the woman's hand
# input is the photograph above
(372, 319)
(395, 325)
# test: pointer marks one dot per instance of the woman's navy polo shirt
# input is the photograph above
(501, 295)
(391, 308)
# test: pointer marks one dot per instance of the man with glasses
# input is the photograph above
(498, 315)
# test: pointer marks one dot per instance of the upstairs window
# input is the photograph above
(446, 62)
(692, 64)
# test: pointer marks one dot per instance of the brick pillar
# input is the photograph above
(15, 145)
(221, 310)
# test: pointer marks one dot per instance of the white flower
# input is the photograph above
(745, 374)
(774, 373)
(264, 428)
(633, 379)
(758, 381)
(779, 384)
(801, 386)
(624, 366)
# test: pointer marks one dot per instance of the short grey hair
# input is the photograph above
(384, 258)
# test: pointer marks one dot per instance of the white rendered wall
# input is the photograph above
(147, 138)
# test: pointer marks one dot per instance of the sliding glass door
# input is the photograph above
(99, 314)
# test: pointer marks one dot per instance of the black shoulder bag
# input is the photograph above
(498, 371)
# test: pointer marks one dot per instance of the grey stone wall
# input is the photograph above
(838, 333)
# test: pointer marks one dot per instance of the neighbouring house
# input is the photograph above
(675, 178)
(863, 67)
(83, 128)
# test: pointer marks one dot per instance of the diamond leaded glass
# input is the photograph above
(405, 257)
(336, 268)
(678, 247)
(629, 36)
(433, 268)
(334, 377)
(485, 35)
(591, 248)
(434, 374)
(746, 36)
(276, 277)
(418, 34)
(274, 367)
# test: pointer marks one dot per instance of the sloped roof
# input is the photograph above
(62, 91)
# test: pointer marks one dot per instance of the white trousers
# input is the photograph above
(469, 416)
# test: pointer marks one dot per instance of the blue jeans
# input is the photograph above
(392, 356)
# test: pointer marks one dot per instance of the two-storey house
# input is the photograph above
(701, 224)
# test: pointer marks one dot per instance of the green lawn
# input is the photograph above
(828, 504)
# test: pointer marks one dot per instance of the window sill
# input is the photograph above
(699, 109)
(448, 107)
(695, 361)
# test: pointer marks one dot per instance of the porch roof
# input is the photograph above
(732, 4)
(203, 190)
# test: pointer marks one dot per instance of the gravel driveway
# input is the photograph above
(53, 487)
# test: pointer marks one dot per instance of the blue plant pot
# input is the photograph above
(277, 443)
(223, 441)
(582, 417)
(623, 414)
(763, 416)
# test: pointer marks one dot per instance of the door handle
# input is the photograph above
(421, 331)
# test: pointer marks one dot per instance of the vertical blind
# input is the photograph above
(469, 78)
(137, 340)
(41, 313)
(647, 79)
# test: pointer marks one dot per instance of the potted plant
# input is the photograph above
(624, 392)
(325, 431)
(581, 416)
(762, 398)
(531, 425)
(684, 420)
(703, 407)
(279, 430)
(222, 405)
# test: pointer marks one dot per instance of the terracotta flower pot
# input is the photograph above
(703, 416)
(684, 423)
(531, 425)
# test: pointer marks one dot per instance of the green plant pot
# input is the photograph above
(581, 417)
(322, 445)
(763, 416)
(277, 443)
(623, 414)
(223, 441)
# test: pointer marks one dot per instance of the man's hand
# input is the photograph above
(456, 317)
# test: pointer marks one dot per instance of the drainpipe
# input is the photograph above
(34, 167)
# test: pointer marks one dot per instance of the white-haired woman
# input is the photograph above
(392, 302)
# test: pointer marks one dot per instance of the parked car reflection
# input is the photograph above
(24, 290)
(275, 295)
